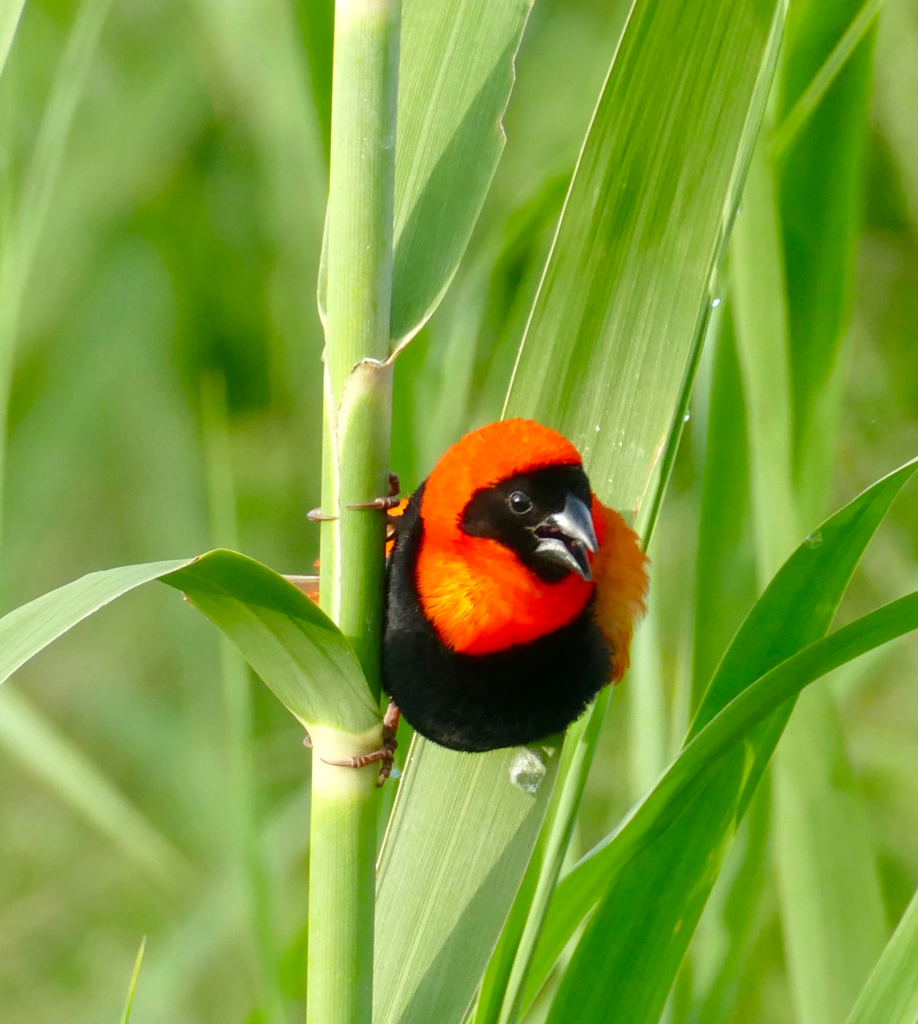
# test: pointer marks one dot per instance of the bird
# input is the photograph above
(511, 593)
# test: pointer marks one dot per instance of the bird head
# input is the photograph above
(543, 516)
(509, 536)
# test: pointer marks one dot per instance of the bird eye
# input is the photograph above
(520, 503)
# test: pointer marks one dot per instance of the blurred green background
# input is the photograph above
(178, 255)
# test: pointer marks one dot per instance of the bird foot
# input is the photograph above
(385, 754)
(383, 504)
(390, 501)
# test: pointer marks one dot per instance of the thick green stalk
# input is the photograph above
(357, 426)
(342, 882)
(358, 294)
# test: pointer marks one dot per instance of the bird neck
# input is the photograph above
(481, 599)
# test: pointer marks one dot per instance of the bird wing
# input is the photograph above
(620, 572)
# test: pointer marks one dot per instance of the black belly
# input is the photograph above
(482, 702)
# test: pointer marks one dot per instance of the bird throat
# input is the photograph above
(480, 598)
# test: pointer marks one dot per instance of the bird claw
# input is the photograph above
(387, 503)
(385, 754)
(383, 504)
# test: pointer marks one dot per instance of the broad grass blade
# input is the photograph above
(628, 282)
(455, 78)
(28, 629)
(462, 831)
(293, 645)
(811, 98)
(760, 316)
(891, 993)
(794, 611)
(615, 325)
(819, 194)
(666, 813)
(725, 584)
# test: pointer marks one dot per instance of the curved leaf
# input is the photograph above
(455, 78)
(295, 648)
(670, 804)
(28, 629)
(795, 609)
(286, 638)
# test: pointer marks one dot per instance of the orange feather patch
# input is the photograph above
(620, 571)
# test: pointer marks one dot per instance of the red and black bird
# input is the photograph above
(512, 592)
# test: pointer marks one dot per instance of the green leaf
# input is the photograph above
(684, 783)
(627, 285)
(458, 842)
(810, 99)
(455, 79)
(795, 609)
(290, 643)
(760, 316)
(820, 194)
(135, 974)
(502, 985)
(293, 645)
(26, 630)
(669, 807)
(725, 587)
(611, 343)
(891, 993)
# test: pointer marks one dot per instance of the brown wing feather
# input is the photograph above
(620, 571)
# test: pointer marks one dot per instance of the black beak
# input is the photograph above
(565, 537)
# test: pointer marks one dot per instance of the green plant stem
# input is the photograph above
(355, 461)
(358, 379)
(342, 886)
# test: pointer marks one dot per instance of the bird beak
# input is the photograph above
(565, 537)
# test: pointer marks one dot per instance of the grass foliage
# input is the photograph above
(693, 247)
